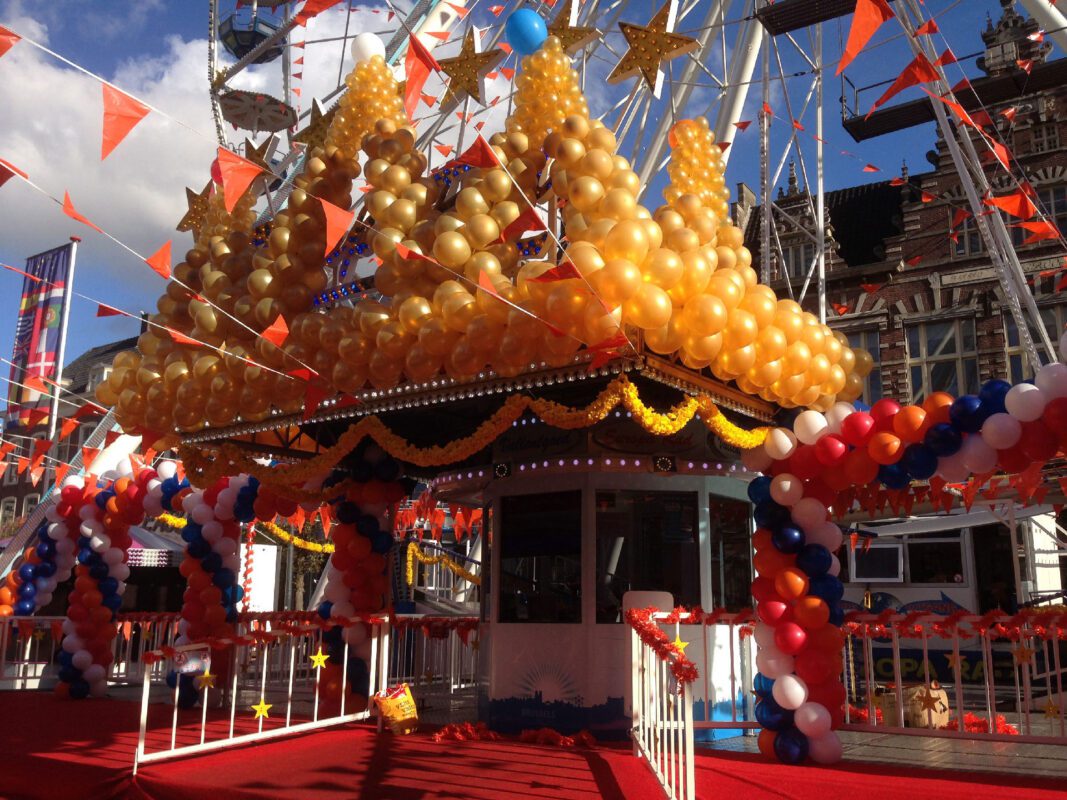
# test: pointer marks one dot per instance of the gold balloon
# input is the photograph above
(451, 249)
(650, 307)
(797, 358)
(704, 315)
(665, 268)
(667, 338)
(413, 312)
(628, 241)
(585, 193)
(617, 282)
(770, 344)
(864, 363)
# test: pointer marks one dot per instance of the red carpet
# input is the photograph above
(61, 749)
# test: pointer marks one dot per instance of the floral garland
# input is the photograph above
(450, 564)
(649, 631)
(178, 523)
(285, 478)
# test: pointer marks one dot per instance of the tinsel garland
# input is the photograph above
(450, 564)
(176, 522)
(649, 632)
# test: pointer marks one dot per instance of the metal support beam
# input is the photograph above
(746, 51)
(1050, 18)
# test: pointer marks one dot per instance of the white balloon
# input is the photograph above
(154, 485)
(91, 528)
(812, 719)
(100, 543)
(191, 501)
(1025, 402)
(41, 585)
(786, 489)
(780, 443)
(790, 692)
(98, 689)
(774, 667)
(52, 514)
(828, 534)
(1052, 380)
(336, 592)
(825, 749)
(363, 650)
(124, 467)
(952, 468)
(68, 627)
(113, 556)
(355, 635)
(166, 470)
(756, 459)
(764, 635)
(73, 480)
(44, 598)
(1002, 431)
(809, 513)
(57, 531)
(365, 46)
(203, 514)
(810, 426)
(94, 673)
(65, 546)
(343, 609)
(88, 511)
(120, 572)
(232, 562)
(211, 531)
(81, 659)
(977, 456)
(835, 566)
(224, 546)
(153, 506)
(72, 644)
(835, 417)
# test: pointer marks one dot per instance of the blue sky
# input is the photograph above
(157, 50)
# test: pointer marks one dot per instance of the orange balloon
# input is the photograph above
(885, 448)
(910, 423)
(936, 407)
(811, 612)
(766, 742)
(761, 540)
(6, 610)
(6, 597)
(791, 583)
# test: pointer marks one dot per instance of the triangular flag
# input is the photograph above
(61, 473)
(40, 447)
(870, 288)
(1025, 64)
(444, 149)
(417, 66)
(926, 197)
(1009, 113)
(180, 337)
(159, 261)
(237, 174)
(920, 70)
(914, 261)
(871, 168)
(338, 221)
(8, 39)
(111, 437)
(313, 396)
(23, 464)
(277, 333)
(897, 182)
(867, 19)
(528, 220)
(460, 10)
(507, 72)
(559, 273)
(959, 217)
(34, 383)
(798, 125)
(35, 474)
(67, 428)
(743, 125)
(103, 310)
(89, 455)
(312, 8)
(927, 28)
(1000, 153)
(37, 416)
(479, 154)
(429, 100)
(1017, 204)
(840, 308)
(443, 36)
(121, 114)
(496, 10)
(69, 210)
(486, 283)
(1041, 230)
(946, 58)
(9, 171)
(957, 109)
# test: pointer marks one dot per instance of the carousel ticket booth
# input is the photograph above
(578, 520)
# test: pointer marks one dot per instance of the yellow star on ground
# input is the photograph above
(315, 132)
(1023, 654)
(466, 72)
(651, 45)
(261, 708)
(680, 644)
(194, 217)
(318, 661)
(207, 680)
(573, 37)
(1052, 711)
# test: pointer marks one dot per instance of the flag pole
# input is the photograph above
(62, 349)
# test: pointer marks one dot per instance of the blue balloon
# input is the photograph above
(187, 696)
(347, 512)
(381, 543)
(69, 674)
(826, 587)
(191, 532)
(759, 489)
(79, 688)
(788, 539)
(27, 572)
(772, 716)
(770, 515)
(46, 569)
(65, 659)
(992, 395)
(814, 560)
(211, 562)
(108, 585)
(325, 608)
(27, 591)
(967, 413)
(368, 526)
(46, 549)
(920, 461)
(24, 608)
(943, 440)
(232, 594)
(83, 542)
(113, 601)
(358, 675)
(791, 746)
(224, 577)
(837, 615)
(762, 685)
(98, 571)
(525, 31)
(198, 548)
(894, 476)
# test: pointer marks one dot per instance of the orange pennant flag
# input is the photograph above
(868, 18)
(1017, 204)
(237, 174)
(69, 210)
(920, 70)
(946, 58)
(103, 310)
(312, 8)
(460, 10)
(444, 149)
(40, 447)
(160, 261)
(528, 220)
(496, 10)
(35, 383)
(486, 283)
(559, 273)
(61, 473)
(338, 221)
(507, 72)
(8, 39)
(23, 463)
(840, 309)
(9, 171)
(121, 114)
(180, 337)
(89, 455)
(428, 99)
(928, 28)
(277, 333)
(1041, 230)
(417, 66)
(67, 428)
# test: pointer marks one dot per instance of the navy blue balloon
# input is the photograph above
(113, 601)
(27, 591)
(198, 548)
(83, 542)
(788, 539)
(23, 608)
(68, 674)
(387, 470)
(814, 560)
(224, 577)
(759, 489)
(191, 532)
(98, 571)
(46, 569)
(347, 512)
(358, 675)
(967, 413)
(79, 688)
(94, 558)
(211, 562)
(992, 395)
(101, 499)
(837, 615)
(325, 608)
(381, 542)
(770, 515)
(46, 549)
(943, 439)
(826, 587)
(27, 572)
(763, 685)
(920, 461)
(894, 476)
(108, 586)
(772, 716)
(187, 696)
(791, 746)
(368, 526)
(65, 659)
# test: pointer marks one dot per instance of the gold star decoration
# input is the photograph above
(1023, 654)
(318, 661)
(261, 708)
(679, 643)
(955, 662)
(258, 155)
(928, 700)
(1052, 711)
(649, 46)
(466, 72)
(315, 133)
(572, 36)
(197, 203)
(38, 634)
(206, 681)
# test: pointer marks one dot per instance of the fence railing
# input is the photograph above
(438, 659)
(437, 573)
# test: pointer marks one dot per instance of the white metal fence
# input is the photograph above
(440, 581)
(438, 658)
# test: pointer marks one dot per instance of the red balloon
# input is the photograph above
(763, 589)
(828, 638)
(820, 491)
(216, 172)
(772, 611)
(836, 478)
(857, 428)
(831, 450)
(883, 412)
(860, 467)
(1055, 417)
(1038, 442)
(1012, 460)
(359, 548)
(804, 463)
(194, 612)
(790, 638)
(814, 666)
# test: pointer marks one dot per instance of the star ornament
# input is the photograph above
(1023, 654)
(1052, 711)
(315, 133)
(466, 72)
(206, 681)
(261, 708)
(198, 203)
(572, 36)
(651, 45)
(679, 643)
(318, 661)
(929, 701)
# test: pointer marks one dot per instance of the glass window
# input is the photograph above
(646, 541)
(11, 475)
(540, 540)
(935, 560)
(7, 510)
(868, 340)
(1054, 319)
(797, 259)
(1044, 138)
(942, 358)
(731, 570)
(30, 502)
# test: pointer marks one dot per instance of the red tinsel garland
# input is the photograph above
(649, 631)
(973, 723)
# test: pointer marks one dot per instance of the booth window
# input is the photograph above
(540, 540)
(935, 558)
(942, 358)
(731, 561)
(645, 541)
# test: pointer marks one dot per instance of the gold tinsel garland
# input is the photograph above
(178, 523)
(450, 564)
(228, 459)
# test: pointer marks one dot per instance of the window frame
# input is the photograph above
(9, 508)
(904, 543)
(860, 337)
(924, 362)
(1018, 363)
(26, 504)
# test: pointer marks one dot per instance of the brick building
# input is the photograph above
(920, 295)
